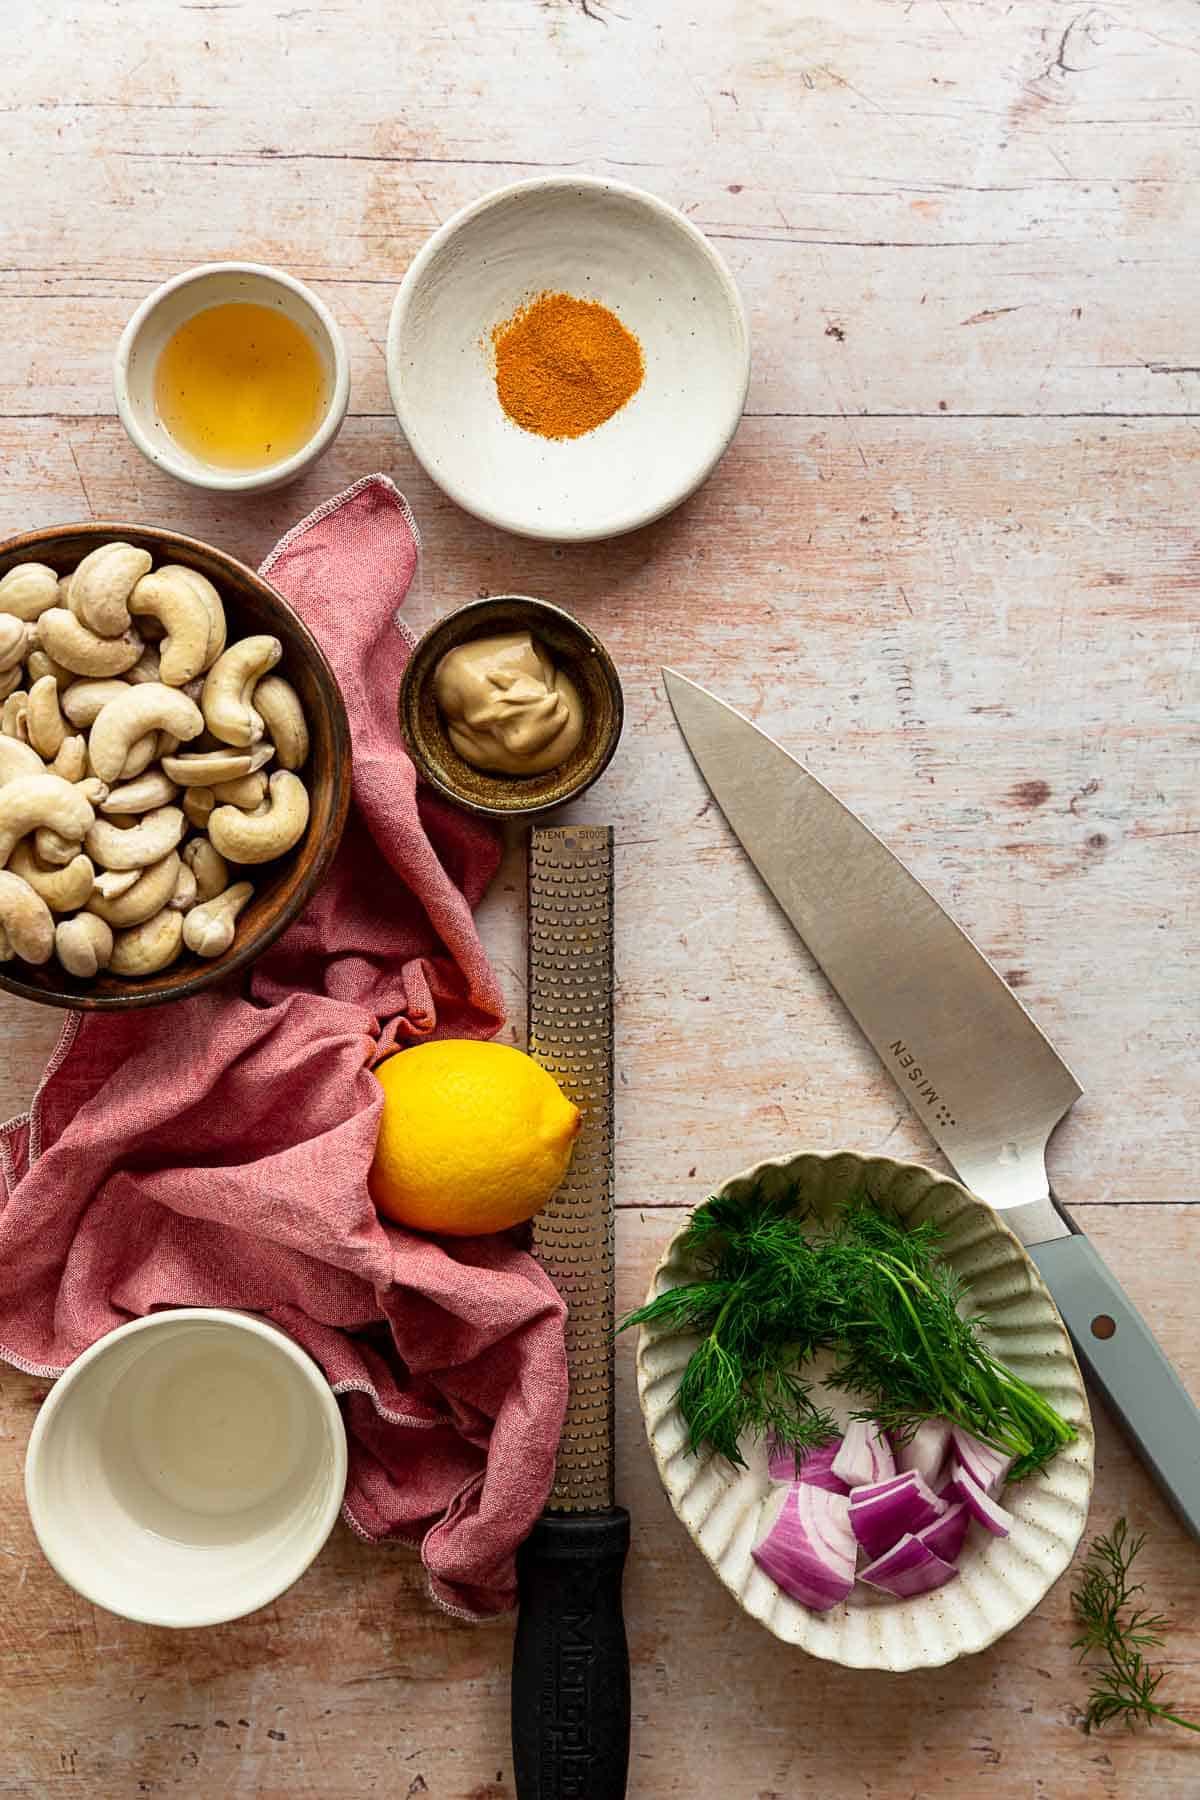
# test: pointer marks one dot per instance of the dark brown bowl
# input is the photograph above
(574, 649)
(281, 889)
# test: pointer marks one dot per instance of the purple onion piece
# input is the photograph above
(909, 1568)
(947, 1535)
(865, 1455)
(809, 1551)
(926, 1449)
(986, 1466)
(882, 1514)
(991, 1515)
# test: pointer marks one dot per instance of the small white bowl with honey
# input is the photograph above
(232, 377)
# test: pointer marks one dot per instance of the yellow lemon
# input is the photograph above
(474, 1137)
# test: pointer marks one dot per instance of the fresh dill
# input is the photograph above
(875, 1294)
(1124, 1686)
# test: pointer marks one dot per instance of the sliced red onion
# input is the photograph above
(814, 1470)
(991, 1515)
(947, 1535)
(926, 1449)
(986, 1466)
(810, 1550)
(884, 1512)
(865, 1455)
(910, 1567)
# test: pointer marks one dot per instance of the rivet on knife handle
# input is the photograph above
(570, 1681)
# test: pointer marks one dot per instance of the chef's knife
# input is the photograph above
(570, 1678)
(957, 1042)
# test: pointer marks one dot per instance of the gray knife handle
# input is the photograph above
(1119, 1352)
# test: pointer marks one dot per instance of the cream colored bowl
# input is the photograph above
(1000, 1580)
(597, 240)
(187, 1468)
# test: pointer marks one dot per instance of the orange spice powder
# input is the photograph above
(564, 365)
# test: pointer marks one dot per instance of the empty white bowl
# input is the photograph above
(597, 240)
(160, 316)
(187, 1468)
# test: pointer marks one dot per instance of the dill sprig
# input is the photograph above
(875, 1294)
(1124, 1686)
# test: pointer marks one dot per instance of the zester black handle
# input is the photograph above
(570, 1675)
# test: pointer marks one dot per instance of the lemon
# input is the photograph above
(474, 1137)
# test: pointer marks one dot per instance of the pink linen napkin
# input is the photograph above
(215, 1152)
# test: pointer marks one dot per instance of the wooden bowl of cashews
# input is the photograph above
(174, 766)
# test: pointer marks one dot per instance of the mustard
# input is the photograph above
(507, 708)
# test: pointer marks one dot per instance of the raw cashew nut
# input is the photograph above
(145, 708)
(84, 944)
(150, 890)
(14, 719)
(111, 883)
(28, 590)
(70, 643)
(205, 768)
(26, 927)
(141, 755)
(208, 929)
(148, 841)
(198, 803)
(186, 893)
(85, 701)
(149, 790)
(247, 793)
(211, 600)
(101, 586)
(63, 890)
(278, 704)
(93, 789)
(208, 866)
(229, 686)
(257, 837)
(146, 948)
(14, 640)
(47, 728)
(71, 762)
(17, 758)
(39, 664)
(52, 847)
(10, 680)
(172, 599)
(31, 801)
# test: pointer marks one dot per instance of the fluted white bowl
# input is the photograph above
(1000, 1580)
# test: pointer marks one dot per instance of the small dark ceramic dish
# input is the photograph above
(281, 889)
(573, 648)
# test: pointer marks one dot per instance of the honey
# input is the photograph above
(240, 386)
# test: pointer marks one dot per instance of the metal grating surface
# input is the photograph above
(571, 1035)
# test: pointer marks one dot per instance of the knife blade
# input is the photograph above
(570, 1674)
(984, 1080)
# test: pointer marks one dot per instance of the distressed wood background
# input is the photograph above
(951, 559)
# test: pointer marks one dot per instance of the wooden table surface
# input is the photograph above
(952, 559)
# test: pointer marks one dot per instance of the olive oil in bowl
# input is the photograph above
(240, 386)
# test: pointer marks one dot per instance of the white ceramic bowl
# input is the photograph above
(598, 240)
(162, 313)
(1000, 1580)
(187, 1468)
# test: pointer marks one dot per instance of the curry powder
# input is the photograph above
(564, 365)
